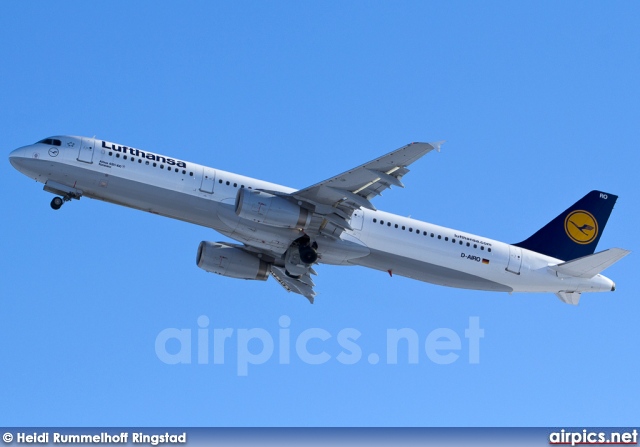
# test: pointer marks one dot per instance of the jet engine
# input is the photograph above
(215, 257)
(268, 209)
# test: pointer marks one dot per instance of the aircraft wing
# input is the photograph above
(335, 199)
(356, 187)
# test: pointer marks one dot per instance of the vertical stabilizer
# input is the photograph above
(574, 233)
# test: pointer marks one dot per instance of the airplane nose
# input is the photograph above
(13, 156)
(18, 156)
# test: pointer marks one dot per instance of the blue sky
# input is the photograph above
(538, 102)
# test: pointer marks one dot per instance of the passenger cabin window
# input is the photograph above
(51, 141)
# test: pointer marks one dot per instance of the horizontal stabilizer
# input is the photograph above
(569, 297)
(589, 266)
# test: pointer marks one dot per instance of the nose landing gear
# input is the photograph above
(57, 202)
(64, 193)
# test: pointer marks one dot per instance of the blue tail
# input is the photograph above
(575, 232)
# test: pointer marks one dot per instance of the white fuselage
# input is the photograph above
(206, 196)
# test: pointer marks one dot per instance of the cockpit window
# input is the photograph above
(51, 141)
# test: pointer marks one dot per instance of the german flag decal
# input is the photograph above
(485, 261)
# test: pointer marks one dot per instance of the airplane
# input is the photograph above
(284, 232)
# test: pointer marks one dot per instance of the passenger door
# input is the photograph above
(357, 219)
(208, 178)
(515, 259)
(85, 153)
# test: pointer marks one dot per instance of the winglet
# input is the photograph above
(437, 144)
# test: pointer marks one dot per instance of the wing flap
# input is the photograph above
(341, 194)
(302, 286)
(386, 178)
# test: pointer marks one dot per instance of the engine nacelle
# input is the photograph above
(230, 261)
(265, 208)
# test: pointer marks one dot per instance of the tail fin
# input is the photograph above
(574, 233)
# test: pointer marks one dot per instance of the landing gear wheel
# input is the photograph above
(308, 255)
(290, 275)
(56, 203)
